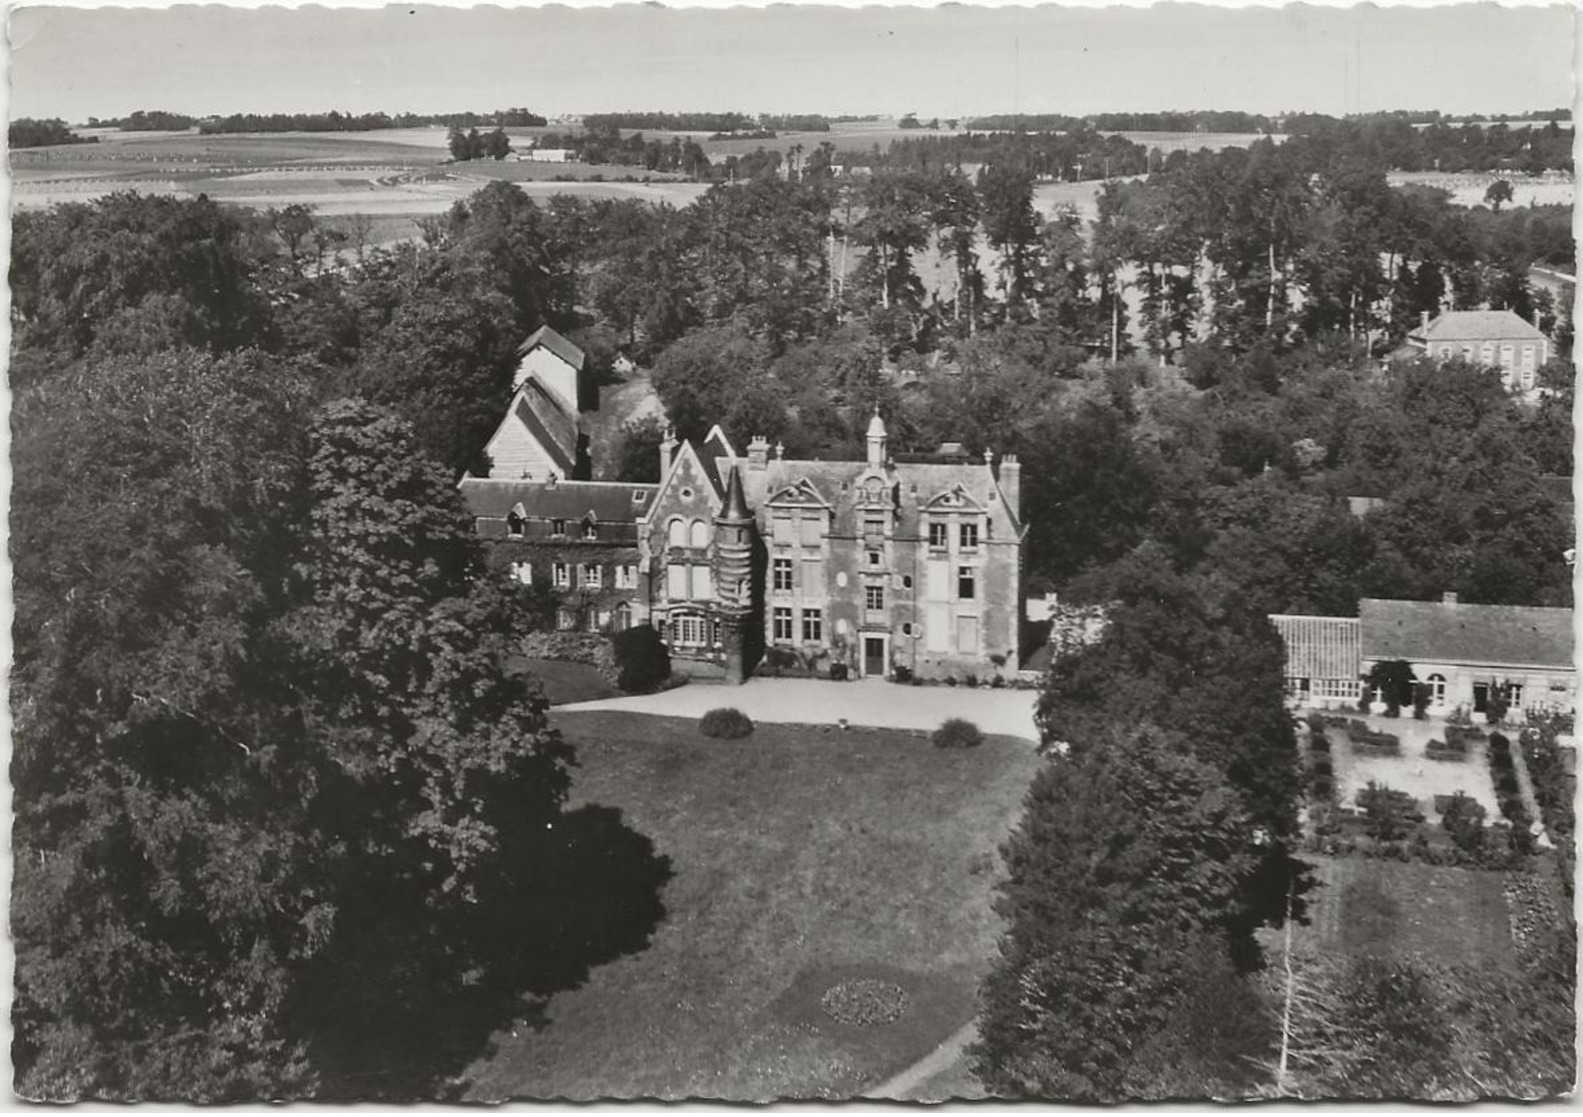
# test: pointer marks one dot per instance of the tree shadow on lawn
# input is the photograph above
(587, 896)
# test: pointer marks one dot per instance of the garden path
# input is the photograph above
(872, 702)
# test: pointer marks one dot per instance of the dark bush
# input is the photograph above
(997, 683)
(1323, 789)
(1463, 819)
(1506, 782)
(902, 674)
(957, 733)
(838, 672)
(642, 661)
(1500, 745)
(1319, 743)
(726, 722)
(1322, 767)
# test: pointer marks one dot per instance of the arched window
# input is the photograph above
(699, 535)
(1437, 691)
(677, 533)
(621, 617)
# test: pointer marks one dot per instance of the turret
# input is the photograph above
(733, 571)
(734, 549)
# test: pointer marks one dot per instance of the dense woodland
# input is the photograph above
(281, 823)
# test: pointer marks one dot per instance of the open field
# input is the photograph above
(1467, 188)
(801, 857)
(1373, 906)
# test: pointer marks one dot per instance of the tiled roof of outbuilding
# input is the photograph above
(555, 343)
(1456, 633)
(1480, 325)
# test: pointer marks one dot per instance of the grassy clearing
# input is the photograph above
(801, 856)
(1370, 906)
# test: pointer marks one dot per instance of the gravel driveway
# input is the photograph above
(817, 701)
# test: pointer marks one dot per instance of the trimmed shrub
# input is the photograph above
(838, 672)
(642, 661)
(1319, 743)
(957, 733)
(901, 674)
(1463, 819)
(725, 722)
(1322, 767)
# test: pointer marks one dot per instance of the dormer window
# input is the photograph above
(515, 524)
(557, 527)
(590, 529)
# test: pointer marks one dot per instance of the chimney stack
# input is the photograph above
(1448, 599)
(1011, 483)
(1423, 321)
(668, 446)
(758, 452)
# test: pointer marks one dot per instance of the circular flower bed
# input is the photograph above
(864, 1002)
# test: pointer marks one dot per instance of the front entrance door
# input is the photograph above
(873, 656)
(1481, 697)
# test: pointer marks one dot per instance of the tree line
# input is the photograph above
(335, 121)
(27, 132)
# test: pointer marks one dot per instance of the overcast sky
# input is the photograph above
(954, 61)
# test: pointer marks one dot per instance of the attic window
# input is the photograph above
(514, 524)
(557, 527)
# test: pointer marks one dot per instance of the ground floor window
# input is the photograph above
(565, 619)
(812, 625)
(689, 631)
(621, 618)
(781, 625)
(1437, 690)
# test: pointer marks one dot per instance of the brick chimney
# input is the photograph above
(758, 452)
(1011, 483)
(668, 446)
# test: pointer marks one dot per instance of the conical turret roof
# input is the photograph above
(736, 505)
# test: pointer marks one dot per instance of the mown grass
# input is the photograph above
(801, 856)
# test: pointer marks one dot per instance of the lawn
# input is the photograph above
(800, 857)
(1373, 906)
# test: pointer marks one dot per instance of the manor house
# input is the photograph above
(878, 567)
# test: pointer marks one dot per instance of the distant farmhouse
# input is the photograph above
(1490, 338)
(1463, 652)
(876, 567)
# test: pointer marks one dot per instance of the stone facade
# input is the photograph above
(873, 568)
(876, 567)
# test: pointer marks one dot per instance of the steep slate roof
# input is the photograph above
(549, 424)
(1474, 634)
(555, 343)
(715, 450)
(1480, 325)
(930, 479)
(610, 501)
